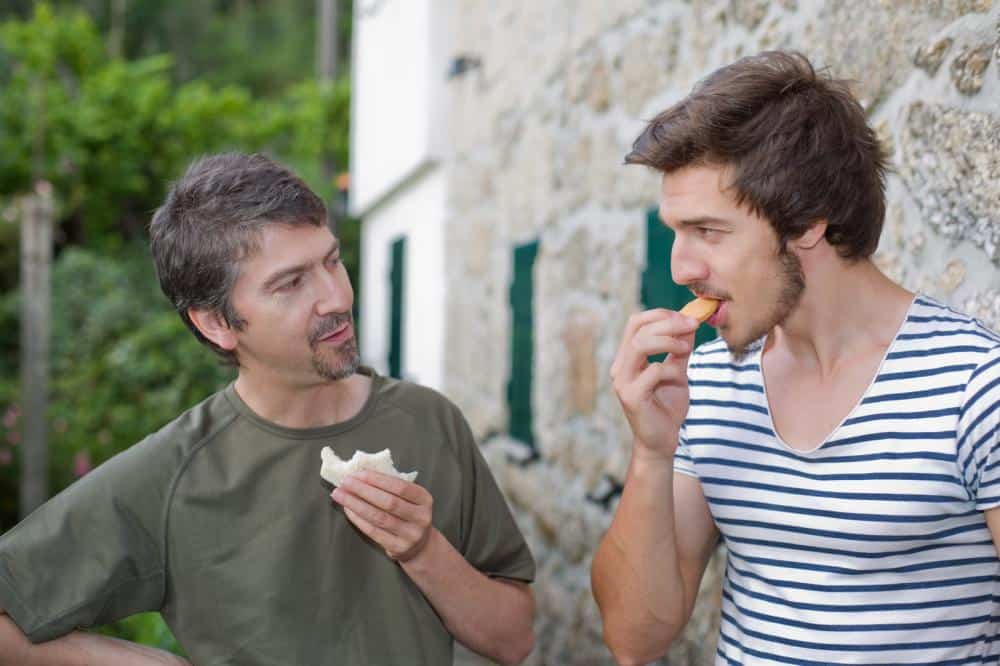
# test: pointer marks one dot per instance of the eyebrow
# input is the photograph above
(698, 221)
(283, 273)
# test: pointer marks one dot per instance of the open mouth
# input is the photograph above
(338, 334)
(718, 317)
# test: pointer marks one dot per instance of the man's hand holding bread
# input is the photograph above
(392, 512)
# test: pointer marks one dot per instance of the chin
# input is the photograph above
(345, 366)
(737, 346)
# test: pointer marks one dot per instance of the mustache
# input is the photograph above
(329, 324)
(707, 292)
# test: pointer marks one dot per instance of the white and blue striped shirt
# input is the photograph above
(871, 548)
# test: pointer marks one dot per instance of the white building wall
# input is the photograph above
(398, 81)
(416, 211)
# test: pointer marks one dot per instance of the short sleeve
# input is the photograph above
(978, 435)
(491, 539)
(683, 462)
(90, 555)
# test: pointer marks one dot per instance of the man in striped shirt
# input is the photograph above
(840, 438)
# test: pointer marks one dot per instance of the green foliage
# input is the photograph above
(110, 133)
(145, 628)
(260, 45)
(123, 364)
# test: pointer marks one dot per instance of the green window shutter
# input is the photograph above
(522, 344)
(658, 289)
(397, 268)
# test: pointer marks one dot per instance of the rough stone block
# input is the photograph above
(873, 43)
(950, 166)
(968, 67)
(580, 336)
(930, 57)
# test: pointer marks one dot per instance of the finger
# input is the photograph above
(392, 504)
(632, 357)
(373, 514)
(631, 326)
(393, 485)
(388, 541)
(675, 325)
(655, 376)
(660, 344)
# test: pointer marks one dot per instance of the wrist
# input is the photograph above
(647, 455)
(421, 559)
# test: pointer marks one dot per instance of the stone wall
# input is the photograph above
(537, 136)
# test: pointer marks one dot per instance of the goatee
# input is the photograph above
(348, 359)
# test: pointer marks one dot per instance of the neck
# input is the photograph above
(314, 405)
(847, 310)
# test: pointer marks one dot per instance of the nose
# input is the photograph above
(686, 266)
(334, 292)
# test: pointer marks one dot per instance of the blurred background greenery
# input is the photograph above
(108, 100)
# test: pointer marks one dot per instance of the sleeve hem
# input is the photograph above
(522, 574)
(686, 472)
(987, 504)
(12, 605)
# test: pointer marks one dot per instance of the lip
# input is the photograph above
(719, 316)
(339, 334)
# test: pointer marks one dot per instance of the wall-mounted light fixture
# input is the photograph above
(463, 63)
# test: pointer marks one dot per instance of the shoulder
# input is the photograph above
(931, 323)
(417, 400)
(162, 455)
(195, 426)
(439, 421)
(940, 338)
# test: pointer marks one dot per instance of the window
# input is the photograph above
(522, 344)
(658, 290)
(397, 268)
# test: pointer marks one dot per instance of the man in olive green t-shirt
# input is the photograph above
(220, 520)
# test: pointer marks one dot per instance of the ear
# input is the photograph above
(811, 237)
(214, 327)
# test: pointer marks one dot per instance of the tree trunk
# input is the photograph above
(116, 32)
(326, 40)
(326, 70)
(36, 259)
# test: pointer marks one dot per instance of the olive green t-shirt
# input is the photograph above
(221, 522)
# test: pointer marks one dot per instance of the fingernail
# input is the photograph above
(337, 495)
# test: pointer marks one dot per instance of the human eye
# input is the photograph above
(708, 233)
(333, 260)
(290, 285)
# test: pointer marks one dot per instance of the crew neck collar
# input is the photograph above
(310, 433)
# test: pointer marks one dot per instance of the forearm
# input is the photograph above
(77, 649)
(636, 573)
(491, 617)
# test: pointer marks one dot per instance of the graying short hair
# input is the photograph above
(211, 221)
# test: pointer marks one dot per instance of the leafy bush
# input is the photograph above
(145, 628)
(123, 364)
(110, 134)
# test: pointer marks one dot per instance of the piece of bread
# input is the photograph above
(700, 308)
(334, 469)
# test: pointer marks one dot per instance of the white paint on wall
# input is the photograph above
(398, 82)
(417, 212)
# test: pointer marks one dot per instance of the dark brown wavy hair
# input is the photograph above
(796, 141)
